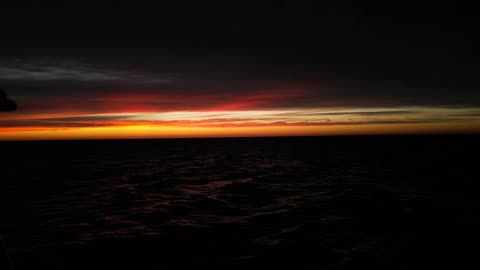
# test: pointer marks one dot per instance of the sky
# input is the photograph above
(278, 68)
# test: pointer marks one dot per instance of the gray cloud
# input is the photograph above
(76, 72)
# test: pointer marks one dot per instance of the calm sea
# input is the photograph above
(383, 202)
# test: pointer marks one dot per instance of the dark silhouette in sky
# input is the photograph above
(6, 105)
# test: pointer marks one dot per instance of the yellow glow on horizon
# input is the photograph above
(145, 131)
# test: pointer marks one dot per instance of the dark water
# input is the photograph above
(301, 203)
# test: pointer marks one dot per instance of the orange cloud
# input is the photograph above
(243, 123)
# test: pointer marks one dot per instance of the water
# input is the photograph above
(302, 203)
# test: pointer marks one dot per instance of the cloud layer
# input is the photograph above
(172, 84)
(299, 117)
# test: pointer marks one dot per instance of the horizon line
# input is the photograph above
(253, 137)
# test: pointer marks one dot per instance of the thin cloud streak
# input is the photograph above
(78, 72)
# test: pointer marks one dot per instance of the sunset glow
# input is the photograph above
(165, 96)
(241, 123)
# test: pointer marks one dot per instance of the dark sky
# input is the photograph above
(303, 54)
(420, 45)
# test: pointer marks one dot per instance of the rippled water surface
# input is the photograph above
(300, 203)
